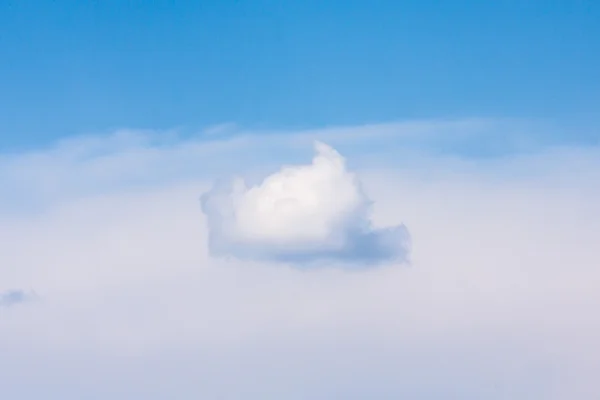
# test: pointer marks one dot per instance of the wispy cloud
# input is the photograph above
(91, 165)
(10, 298)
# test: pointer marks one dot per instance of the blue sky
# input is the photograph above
(73, 67)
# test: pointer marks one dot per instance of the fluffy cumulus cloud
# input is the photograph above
(301, 213)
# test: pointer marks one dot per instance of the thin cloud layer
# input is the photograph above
(302, 213)
(490, 293)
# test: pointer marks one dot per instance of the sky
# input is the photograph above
(299, 200)
(72, 67)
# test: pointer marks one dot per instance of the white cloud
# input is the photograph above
(501, 301)
(301, 213)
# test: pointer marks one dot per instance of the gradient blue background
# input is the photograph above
(73, 67)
